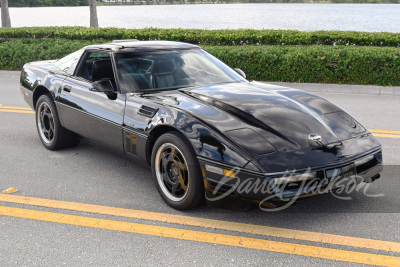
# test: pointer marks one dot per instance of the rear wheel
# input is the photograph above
(176, 172)
(51, 133)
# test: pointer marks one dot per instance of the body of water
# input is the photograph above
(356, 17)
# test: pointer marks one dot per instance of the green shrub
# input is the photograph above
(313, 64)
(15, 53)
(212, 37)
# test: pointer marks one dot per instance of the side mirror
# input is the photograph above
(102, 86)
(240, 72)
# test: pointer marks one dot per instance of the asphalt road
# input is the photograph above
(91, 175)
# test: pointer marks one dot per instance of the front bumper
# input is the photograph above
(222, 181)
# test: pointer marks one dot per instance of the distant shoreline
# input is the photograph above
(177, 2)
(150, 2)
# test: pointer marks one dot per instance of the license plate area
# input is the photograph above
(340, 173)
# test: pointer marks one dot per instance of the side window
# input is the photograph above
(96, 66)
(68, 63)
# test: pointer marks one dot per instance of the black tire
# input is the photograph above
(51, 133)
(176, 172)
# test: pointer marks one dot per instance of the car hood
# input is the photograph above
(285, 117)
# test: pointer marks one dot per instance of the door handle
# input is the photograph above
(67, 88)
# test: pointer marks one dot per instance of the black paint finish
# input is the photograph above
(260, 128)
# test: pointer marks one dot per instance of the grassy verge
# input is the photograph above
(313, 63)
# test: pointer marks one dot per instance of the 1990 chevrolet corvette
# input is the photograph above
(199, 124)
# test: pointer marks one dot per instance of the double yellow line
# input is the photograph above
(16, 109)
(378, 133)
(385, 133)
(207, 237)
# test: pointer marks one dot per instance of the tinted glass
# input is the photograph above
(167, 70)
(99, 59)
(69, 62)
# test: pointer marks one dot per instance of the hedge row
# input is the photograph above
(314, 64)
(212, 37)
(15, 53)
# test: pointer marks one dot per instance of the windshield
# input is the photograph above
(68, 63)
(166, 70)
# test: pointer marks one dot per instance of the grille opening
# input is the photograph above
(367, 165)
(222, 189)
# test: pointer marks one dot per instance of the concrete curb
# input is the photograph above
(5, 74)
(342, 88)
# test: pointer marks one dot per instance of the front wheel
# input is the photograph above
(51, 133)
(176, 172)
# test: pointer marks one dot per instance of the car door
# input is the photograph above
(95, 115)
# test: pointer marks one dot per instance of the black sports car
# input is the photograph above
(205, 129)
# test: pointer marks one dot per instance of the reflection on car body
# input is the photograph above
(194, 120)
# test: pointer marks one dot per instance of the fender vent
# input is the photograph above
(147, 111)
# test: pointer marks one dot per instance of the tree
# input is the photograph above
(94, 22)
(5, 15)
